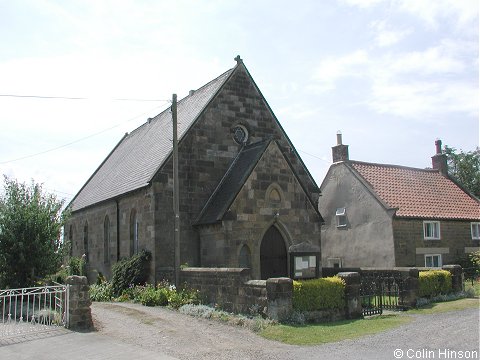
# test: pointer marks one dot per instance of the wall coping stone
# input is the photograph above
(217, 270)
(76, 280)
(256, 283)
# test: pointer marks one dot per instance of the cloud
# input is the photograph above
(464, 12)
(415, 84)
(333, 68)
(432, 13)
(386, 37)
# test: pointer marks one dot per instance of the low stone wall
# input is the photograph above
(230, 288)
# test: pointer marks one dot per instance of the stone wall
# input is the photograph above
(119, 231)
(253, 212)
(411, 247)
(229, 288)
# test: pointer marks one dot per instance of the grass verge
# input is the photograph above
(313, 334)
(475, 285)
(440, 307)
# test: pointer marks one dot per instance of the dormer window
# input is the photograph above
(341, 215)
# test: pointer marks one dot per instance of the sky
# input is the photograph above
(392, 75)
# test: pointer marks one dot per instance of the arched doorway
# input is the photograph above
(273, 255)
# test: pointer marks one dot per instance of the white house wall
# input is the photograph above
(367, 240)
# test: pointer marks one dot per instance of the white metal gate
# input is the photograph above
(33, 310)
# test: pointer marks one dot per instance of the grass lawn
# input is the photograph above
(440, 307)
(475, 286)
(313, 334)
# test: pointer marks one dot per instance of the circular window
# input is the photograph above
(240, 134)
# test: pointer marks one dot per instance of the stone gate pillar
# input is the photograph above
(80, 316)
(353, 303)
(279, 298)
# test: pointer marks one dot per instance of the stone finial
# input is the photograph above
(238, 59)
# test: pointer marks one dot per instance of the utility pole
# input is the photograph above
(176, 202)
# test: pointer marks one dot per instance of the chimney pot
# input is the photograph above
(339, 137)
(439, 160)
(438, 146)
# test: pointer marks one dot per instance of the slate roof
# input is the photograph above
(138, 156)
(418, 193)
(232, 182)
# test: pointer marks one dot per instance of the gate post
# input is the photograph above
(353, 305)
(279, 298)
(409, 291)
(457, 277)
(79, 313)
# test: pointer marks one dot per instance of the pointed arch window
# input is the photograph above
(85, 240)
(70, 237)
(106, 240)
(134, 225)
(244, 258)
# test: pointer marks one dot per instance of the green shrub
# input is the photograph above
(101, 292)
(131, 271)
(151, 296)
(76, 266)
(434, 282)
(319, 294)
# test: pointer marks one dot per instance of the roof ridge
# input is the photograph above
(391, 165)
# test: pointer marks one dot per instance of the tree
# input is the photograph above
(465, 168)
(30, 234)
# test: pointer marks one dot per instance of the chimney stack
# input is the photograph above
(439, 160)
(340, 151)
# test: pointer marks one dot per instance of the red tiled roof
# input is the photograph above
(417, 192)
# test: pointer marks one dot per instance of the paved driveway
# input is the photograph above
(130, 331)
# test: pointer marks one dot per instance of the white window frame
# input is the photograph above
(476, 233)
(432, 256)
(341, 214)
(430, 223)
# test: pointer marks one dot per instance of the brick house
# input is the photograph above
(379, 215)
(246, 196)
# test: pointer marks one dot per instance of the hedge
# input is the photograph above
(434, 282)
(319, 294)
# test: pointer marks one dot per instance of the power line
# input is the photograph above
(315, 156)
(78, 140)
(79, 98)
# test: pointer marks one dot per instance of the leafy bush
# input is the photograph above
(319, 294)
(434, 282)
(76, 266)
(101, 292)
(130, 271)
(151, 296)
(176, 298)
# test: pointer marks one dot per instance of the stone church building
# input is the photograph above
(246, 197)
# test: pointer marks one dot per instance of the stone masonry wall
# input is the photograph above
(230, 288)
(95, 218)
(205, 154)
(411, 247)
(253, 212)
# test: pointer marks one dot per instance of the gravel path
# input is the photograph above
(185, 337)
